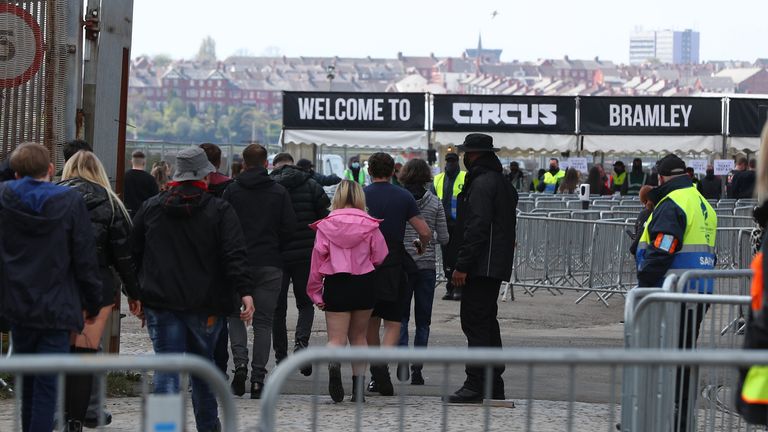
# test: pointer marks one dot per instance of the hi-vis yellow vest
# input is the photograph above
(619, 179)
(550, 181)
(698, 250)
(458, 186)
(360, 176)
(754, 390)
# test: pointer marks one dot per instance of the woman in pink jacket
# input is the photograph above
(348, 246)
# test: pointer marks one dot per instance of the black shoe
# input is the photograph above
(383, 381)
(93, 422)
(357, 394)
(306, 370)
(403, 373)
(456, 296)
(372, 387)
(465, 395)
(256, 389)
(238, 382)
(448, 296)
(74, 426)
(335, 388)
(416, 377)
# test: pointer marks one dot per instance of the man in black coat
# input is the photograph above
(49, 273)
(310, 203)
(486, 223)
(268, 220)
(323, 180)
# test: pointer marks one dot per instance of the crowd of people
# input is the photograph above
(201, 257)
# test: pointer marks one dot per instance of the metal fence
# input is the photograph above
(583, 394)
(161, 412)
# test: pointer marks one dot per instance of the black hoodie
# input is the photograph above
(266, 215)
(189, 248)
(49, 272)
(310, 203)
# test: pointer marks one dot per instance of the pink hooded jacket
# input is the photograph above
(347, 241)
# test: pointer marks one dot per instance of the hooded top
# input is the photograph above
(189, 248)
(48, 267)
(266, 215)
(348, 241)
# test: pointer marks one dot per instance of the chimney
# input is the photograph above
(400, 55)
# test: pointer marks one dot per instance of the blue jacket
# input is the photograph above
(49, 271)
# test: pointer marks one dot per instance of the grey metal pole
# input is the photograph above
(74, 51)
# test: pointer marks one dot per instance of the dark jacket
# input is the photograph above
(711, 187)
(139, 186)
(218, 183)
(325, 180)
(266, 215)
(486, 221)
(643, 216)
(189, 249)
(668, 218)
(742, 185)
(310, 204)
(112, 233)
(48, 268)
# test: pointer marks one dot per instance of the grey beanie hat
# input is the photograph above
(192, 164)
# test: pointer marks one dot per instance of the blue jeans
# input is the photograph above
(39, 392)
(421, 287)
(185, 332)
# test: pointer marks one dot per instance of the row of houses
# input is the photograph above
(259, 81)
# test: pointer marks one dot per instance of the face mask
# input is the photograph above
(553, 169)
(710, 173)
(619, 170)
(467, 163)
(355, 165)
(452, 168)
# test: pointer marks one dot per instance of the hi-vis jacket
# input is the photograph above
(551, 181)
(458, 186)
(678, 236)
(752, 397)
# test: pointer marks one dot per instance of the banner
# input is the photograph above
(530, 114)
(699, 165)
(723, 166)
(650, 116)
(746, 117)
(580, 164)
(354, 111)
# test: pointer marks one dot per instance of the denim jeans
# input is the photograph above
(421, 287)
(298, 274)
(186, 332)
(39, 392)
(265, 294)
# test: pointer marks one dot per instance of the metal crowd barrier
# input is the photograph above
(162, 412)
(583, 392)
(686, 315)
(568, 253)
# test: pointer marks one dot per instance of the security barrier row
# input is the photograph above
(554, 390)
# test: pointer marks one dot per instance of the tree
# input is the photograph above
(161, 60)
(207, 51)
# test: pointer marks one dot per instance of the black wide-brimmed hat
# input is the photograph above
(477, 142)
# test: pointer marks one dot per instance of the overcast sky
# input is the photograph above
(525, 30)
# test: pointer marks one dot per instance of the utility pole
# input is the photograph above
(331, 70)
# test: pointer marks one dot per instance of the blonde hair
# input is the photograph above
(762, 168)
(87, 166)
(348, 194)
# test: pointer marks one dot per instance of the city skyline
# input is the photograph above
(585, 29)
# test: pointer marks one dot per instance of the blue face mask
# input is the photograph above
(355, 165)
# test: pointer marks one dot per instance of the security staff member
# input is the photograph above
(354, 172)
(552, 178)
(679, 236)
(447, 185)
(619, 180)
(637, 178)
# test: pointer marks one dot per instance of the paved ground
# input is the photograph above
(541, 321)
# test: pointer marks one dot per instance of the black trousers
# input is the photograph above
(449, 257)
(298, 274)
(478, 312)
(685, 390)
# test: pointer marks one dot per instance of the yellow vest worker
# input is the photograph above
(355, 167)
(458, 186)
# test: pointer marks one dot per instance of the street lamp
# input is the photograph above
(331, 74)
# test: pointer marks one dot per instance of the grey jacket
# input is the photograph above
(433, 213)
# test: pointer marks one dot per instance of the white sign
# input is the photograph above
(580, 164)
(21, 46)
(564, 165)
(699, 165)
(723, 166)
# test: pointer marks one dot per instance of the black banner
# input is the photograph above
(650, 116)
(746, 117)
(530, 114)
(354, 111)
